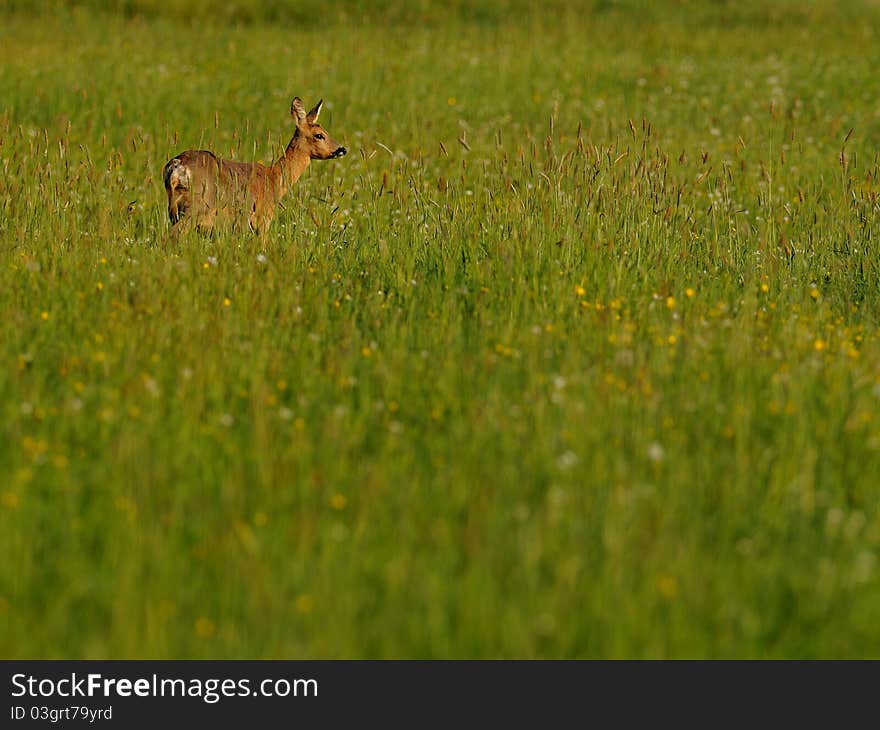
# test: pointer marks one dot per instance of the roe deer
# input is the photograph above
(202, 187)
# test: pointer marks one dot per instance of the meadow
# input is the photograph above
(575, 354)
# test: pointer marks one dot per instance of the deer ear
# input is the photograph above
(298, 111)
(316, 110)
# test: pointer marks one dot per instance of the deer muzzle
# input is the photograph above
(340, 152)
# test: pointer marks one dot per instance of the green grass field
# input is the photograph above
(575, 354)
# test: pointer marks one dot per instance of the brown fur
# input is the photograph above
(203, 188)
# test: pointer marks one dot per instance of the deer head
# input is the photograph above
(310, 135)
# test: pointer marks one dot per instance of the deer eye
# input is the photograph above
(319, 136)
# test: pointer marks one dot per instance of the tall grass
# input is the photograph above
(575, 354)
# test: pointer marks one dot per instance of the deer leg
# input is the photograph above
(256, 221)
(207, 220)
(173, 235)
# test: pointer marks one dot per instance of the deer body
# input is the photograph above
(203, 188)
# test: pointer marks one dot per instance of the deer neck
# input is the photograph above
(289, 167)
